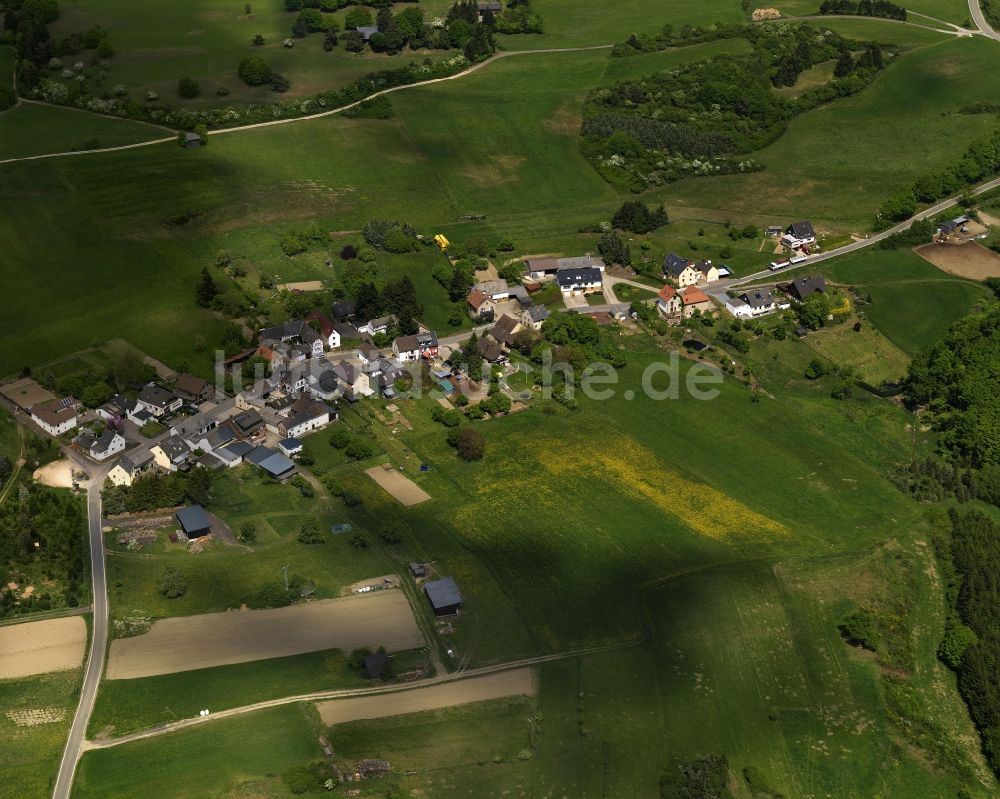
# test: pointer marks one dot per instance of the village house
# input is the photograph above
(130, 466)
(739, 308)
(503, 331)
(480, 305)
(159, 401)
(583, 280)
(326, 328)
(376, 326)
(354, 380)
(342, 311)
(798, 235)
(539, 268)
(668, 302)
(368, 352)
(761, 301)
(298, 332)
(56, 416)
(708, 272)
(171, 454)
(106, 445)
(307, 415)
(496, 289)
(192, 389)
(680, 270)
(491, 351)
(412, 348)
(694, 300)
(802, 287)
(534, 316)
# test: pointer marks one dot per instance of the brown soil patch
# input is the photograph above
(989, 219)
(566, 121)
(180, 644)
(37, 647)
(964, 260)
(303, 285)
(26, 392)
(499, 169)
(400, 487)
(478, 689)
(58, 474)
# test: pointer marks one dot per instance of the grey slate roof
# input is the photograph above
(157, 395)
(802, 230)
(443, 593)
(804, 286)
(758, 298)
(673, 265)
(193, 518)
(538, 313)
(572, 276)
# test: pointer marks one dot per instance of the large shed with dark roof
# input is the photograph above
(444, 596)
(194, 521)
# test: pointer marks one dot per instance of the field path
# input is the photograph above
(515, 682)
(346, 693)
(468, 71)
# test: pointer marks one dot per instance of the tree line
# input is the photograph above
(155, 490)
(864, 8)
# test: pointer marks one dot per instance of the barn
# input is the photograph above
(444, 596)
(194, 521)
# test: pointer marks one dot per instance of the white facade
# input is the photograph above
(116, 445)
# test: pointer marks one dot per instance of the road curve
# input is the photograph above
(98, 642)
(981, 22)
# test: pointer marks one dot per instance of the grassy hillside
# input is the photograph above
(35, 130)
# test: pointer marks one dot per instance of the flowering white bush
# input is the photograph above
(67, 73)
(151, 96)
(288, 43)
(78, 66)
(55, 63)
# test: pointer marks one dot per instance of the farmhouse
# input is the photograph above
(192, 389)
(444, 596)
(681, 270)
(548, 267)
(798, 235)
(130, 466)
(582, 280)
(159, 401)
(194, 521)
(55, 417)
(494, 289)
(761, 301)
(804, 286)
(693, 300)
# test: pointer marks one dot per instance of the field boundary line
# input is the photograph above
(353, 693)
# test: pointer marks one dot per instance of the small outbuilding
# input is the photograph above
(444, 596)
(418, 569)
(375, 664)
(194, 521)
(192, 139)
(290, 446)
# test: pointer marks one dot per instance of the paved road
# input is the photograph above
(98, 642)
(977, 16)
(718, 290)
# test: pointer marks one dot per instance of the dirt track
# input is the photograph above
(382, 618)
(37, 647)
(964, 260)
(462, 692)
(401, 488)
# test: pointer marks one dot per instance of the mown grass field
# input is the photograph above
(36, 130)
(224, 576)
(127, 705)
(29, 757)
(875, 358)
(211, 760)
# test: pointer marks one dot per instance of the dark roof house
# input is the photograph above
(802, 287)
(192, 388)
(503, 331)
(801, 230)
(673, 265)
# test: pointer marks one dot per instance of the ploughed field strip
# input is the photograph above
(219, 639)
(517, 682)
(37, 647)
(400, 487)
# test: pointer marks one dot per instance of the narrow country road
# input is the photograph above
(98, 641)
(981, 22)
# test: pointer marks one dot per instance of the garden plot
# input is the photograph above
(186, 643)
(37, 647)
(461, 692)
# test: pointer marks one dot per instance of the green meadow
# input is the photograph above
(40, 129)
(30, 755)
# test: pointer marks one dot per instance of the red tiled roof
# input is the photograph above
(667, 293)
(476, 299)
(693, 295)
